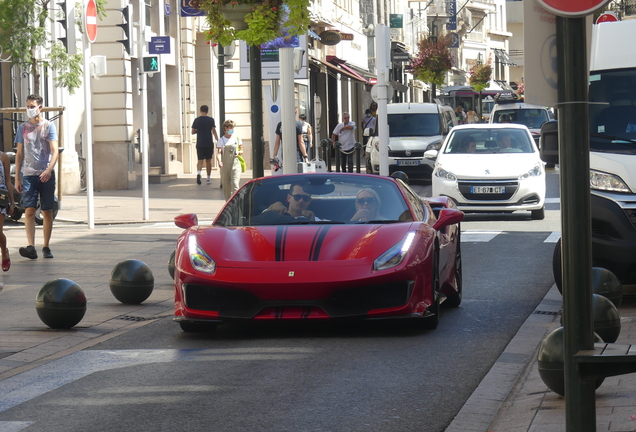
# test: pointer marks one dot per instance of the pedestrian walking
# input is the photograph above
(204, 127)
(301, 150)
(37, 154)
(6, 207)
(308, 137)
(461, 115)
(368, 122)
(471, 116)
(231, 148)
(345, 133)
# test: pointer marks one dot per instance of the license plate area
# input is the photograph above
(408, 162)
(487, 189)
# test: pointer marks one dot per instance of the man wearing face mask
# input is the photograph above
(35, 159)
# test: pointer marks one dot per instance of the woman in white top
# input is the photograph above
(230, 145)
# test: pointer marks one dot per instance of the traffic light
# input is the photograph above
(127, 28)
(68, 23)
(150, 64)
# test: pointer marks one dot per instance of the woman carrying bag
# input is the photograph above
(232, 151)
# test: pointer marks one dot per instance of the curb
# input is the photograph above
(509, 372)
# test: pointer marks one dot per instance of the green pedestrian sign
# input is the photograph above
(150, 64)
(396, 21)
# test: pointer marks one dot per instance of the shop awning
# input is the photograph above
(342, 64)
(347, 71)
(503, 57)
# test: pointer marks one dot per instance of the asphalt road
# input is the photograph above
(311, 377)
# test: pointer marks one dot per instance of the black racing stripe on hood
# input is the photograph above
(279, 249)
(317, 242)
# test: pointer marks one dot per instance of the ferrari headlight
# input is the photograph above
(443, 174)
(199, 258)
(534, 172)
(395, 254)
(434, 146)
(607, 182)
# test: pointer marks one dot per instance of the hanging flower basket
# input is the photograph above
(235, 14)
(254, 21)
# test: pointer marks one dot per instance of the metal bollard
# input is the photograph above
(337, 145)
(324, 146)
(358, 150)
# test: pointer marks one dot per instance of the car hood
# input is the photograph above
(412, 143)
(267, 245)
(484, 166)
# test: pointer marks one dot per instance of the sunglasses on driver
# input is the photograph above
(299, 197)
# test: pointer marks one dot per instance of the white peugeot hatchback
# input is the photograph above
(490, 168)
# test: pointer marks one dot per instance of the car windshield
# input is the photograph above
(613, 111)
(482, 140)
(414, 125)
(533, 118)
(328, 198)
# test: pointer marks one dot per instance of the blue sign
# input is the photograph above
(167, 8)
(188, 10)
(159, 45)
(452, 15)
(454, 40)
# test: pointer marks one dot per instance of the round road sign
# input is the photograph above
(90, 20)
(572, 8)
(606, 17)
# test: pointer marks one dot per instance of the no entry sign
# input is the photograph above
(90, 20)
(572, 8)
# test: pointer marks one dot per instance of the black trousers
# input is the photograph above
(346, 160)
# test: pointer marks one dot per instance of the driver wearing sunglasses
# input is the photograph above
(298, 200)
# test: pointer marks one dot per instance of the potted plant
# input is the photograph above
(254, 21)
(480, 76)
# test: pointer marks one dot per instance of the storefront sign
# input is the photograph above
(330, 37)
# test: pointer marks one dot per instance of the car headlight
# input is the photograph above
(434, 146)
(395, 254)
(607, 182)
(534, 172)
(199, 258)
(443, 174)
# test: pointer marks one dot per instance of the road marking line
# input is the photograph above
(479, 236)
(553, 238)
(14, 426)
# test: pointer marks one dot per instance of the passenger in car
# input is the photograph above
(505, 143)
(367, 206)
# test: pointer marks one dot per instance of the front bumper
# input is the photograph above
(614, 234)
(527, 194)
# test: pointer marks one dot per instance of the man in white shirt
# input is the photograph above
(345, 133)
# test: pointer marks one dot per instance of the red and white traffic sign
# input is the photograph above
(90, 20)
(607, 17)
(572, 8)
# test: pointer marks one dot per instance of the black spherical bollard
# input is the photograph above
(131, 282)
(550, 362)
(60, 304)
(605, 283)
(607, 320)
(171, 264)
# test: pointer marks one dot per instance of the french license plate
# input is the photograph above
(408, 162)
(487, 189)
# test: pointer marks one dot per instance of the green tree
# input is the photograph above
(480, 76)
(25, 39)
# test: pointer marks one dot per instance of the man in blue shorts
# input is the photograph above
(35, 159)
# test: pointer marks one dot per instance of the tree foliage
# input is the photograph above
(433, 60)
(27, 42)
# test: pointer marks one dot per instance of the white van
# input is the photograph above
(413, 129)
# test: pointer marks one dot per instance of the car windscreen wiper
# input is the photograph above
(615, 139)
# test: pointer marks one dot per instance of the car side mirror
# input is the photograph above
(448, 216)
(431, 154)
(549, 142)
(186, 221)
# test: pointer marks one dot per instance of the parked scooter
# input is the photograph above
(19, 209)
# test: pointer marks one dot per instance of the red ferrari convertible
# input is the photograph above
(320, 246)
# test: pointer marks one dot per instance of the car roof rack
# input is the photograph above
(506, 97)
